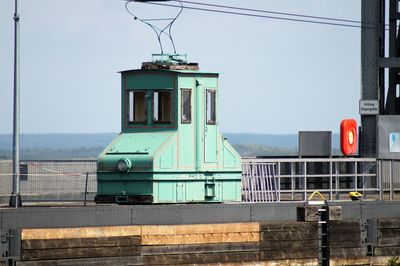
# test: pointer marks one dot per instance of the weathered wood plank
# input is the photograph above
(202, 248)
(289, 245)
(386, 251)
(80, 242)
(288, 226)
(345, 244)
(347, 252)
(292, 262)
(201, 258)
(388, 232)
(344, 225)
(82, 232)
(350, 237)
(199, 238)
(388, 223)
(288, 235)
(152, 260)
(389, 241)
(359, 261)
(289, 254)
(199, 229)
(42, 254)
(120, 261)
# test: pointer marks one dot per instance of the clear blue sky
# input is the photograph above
(276, 76)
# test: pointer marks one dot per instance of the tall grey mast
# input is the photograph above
(380, 76)
(15, 200)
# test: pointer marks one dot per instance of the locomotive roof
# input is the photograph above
(194, 72)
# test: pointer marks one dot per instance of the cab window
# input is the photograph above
(210, 108)
(186, 106)
(137, 107)
(162, 107)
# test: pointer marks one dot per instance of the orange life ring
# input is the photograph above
(348, 136)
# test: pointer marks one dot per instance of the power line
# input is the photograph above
(274, 12)
(373, 26)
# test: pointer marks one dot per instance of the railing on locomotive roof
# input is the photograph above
(264, 179)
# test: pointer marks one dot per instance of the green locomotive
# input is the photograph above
(169, 149)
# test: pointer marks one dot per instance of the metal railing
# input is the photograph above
(259, 182)
(294, 178)
(264, 179)
(389, 171)
(55, 180)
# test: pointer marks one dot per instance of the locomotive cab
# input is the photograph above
(169, 149)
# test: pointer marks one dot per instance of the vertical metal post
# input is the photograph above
(337, 181)
(264, 182)
(355, 176)
(379, 179)
(247, 182)
(392, 101)
(330, 180)
(279, 182)
(391, 180)
(323, 236)
(15, 199)
(252, 177)
(292, 181)
(305, 181)
(255, 181)
(86, 185)
(370, 53)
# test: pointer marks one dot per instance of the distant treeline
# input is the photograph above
(71, 146)
(245, 150)
(48, 154)
(250, 150)
(75, 141)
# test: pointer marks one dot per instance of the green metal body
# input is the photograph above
(170, 162)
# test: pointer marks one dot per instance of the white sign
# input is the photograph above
(369, 107)
(394, 141)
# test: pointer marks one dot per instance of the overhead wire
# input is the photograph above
(275, 12)
(302, 18)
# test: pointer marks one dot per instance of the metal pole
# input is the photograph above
(379, 179)
(337, 181)
(355, 177)
(86, 185)
(330, 180)
(391, 180)
(15, 199)
(292, 181)
(305, 181)
(279, 183)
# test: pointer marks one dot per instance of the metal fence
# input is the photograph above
(51, 179)
(389, 171)
(264, 180)
(283, 179)
(259, 182)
